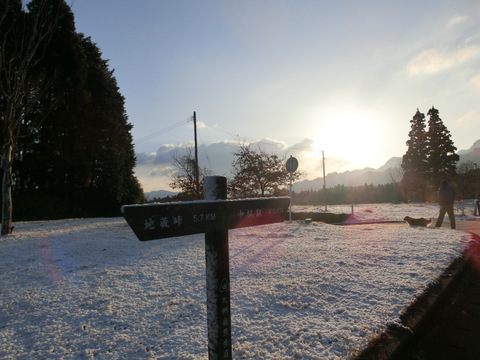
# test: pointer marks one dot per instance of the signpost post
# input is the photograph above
(292, 166)
(212, 216)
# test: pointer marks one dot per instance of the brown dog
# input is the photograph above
(417, 222)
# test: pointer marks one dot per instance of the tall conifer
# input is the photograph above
(75, 155)
(415, 159)
(414, 162)
(430, 156)
(442, 159)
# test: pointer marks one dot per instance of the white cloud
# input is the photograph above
(455, 20)
(476, 82)
(200, 125)
(269, 145)
(469, 119)
(432, 61)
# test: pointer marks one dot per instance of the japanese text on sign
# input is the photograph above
(158, 221)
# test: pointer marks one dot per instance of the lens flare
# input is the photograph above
(47, 260)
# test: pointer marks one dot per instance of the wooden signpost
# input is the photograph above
(292, 166)
(212, 216)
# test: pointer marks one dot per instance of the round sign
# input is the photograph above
(292, 164)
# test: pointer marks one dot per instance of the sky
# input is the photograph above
(294, 78)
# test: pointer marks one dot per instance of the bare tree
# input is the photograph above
(395, 175)
(257, 173)
(185, 177)
(24, 37)
(467, 179)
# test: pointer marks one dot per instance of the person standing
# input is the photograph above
(446, 198)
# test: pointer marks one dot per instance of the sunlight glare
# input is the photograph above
(353, 137)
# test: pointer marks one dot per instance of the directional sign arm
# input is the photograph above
(157, 221)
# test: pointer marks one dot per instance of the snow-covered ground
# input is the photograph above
(87, 288)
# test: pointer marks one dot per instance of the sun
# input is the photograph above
(353, 137)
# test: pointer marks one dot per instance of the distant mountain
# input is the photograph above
(159, 194)
(472, 155)
(383, 175)
(476, 145)
(394, 162)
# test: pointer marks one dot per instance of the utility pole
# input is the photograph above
(196, 170)
(324, 181)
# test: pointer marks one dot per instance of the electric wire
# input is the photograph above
(236, 137)
(205, 151)
(164, 130)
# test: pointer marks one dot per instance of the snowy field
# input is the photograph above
(88, 289)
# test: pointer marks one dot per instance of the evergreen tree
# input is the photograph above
(415, 160)
(47, 148)
(442, 158)
(430, 156)
(23, 38)
(76, 155)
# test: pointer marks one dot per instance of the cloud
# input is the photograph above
(269, 145)
(143, 158)
(162, 155)
(200, 125)
(469, 119)
(455, 20)
(476, 82)
(155, 170)
(432, 61)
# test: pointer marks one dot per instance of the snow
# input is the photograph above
(87, 288)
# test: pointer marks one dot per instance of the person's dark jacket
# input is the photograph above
(446, 195)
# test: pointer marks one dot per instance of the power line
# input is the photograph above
(190, 119)
(164, 130)
(205, 151)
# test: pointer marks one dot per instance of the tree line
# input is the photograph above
(67, 148)
(340, 194)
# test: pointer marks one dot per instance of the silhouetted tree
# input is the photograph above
(430, 156)
(23, 39)
(184, 178)
(442, 158)
(415, 160)
(257, 173)
(75, 155)
(107, 152)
